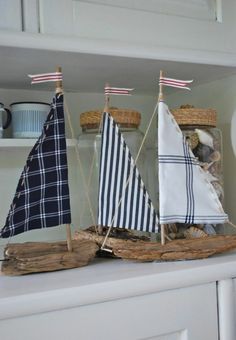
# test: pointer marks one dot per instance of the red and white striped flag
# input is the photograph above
(117, 91)
(45, 77)
(181, 84)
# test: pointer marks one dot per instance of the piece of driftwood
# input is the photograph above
(34, 257)
(181, 249)
(118, 237)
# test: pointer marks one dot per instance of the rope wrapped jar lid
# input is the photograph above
(190, 115)
(125, 117)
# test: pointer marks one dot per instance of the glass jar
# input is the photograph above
(205, 140)
(89, 143)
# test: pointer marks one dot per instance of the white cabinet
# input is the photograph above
(11, 16)
(115, 299)
(62, 12)
(30, 16)
(227, 309)
(155, 28)
(172, 315)
(172, 24)
(19, 15)
(203, 9)
(127, 39)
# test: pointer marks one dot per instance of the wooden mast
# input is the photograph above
(68, 229)
(160, 98)
(161, 95)
(107, 100)
(58, 82)
(106, 109)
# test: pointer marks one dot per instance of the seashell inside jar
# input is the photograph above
(205, 140)
(194, 232)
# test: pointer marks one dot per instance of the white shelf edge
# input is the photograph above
(76, 44)
(26, 142)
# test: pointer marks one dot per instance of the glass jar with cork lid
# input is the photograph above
(89, 143)
(205, 139)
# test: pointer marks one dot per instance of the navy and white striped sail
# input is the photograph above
(123, 199)
(42, 195)
(185, 192)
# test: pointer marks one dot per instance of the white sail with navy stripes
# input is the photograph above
(123, 200)
(185, 193)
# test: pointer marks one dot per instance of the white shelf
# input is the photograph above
(88, 64)
(10, 143)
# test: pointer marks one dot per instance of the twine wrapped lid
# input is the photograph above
(190, 115)
(125, 117)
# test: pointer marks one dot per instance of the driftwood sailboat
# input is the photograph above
(186, 195)
(42, 197)
(42, 200)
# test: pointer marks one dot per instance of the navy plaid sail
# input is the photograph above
(42, 195)
(123, 199)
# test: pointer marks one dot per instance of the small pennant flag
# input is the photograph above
(45, 77)
(181, 84)
(117, 91)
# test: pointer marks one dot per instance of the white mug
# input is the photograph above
(3, 112)
(28, 118)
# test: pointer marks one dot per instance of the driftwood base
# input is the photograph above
(182, 249)
(35, 257)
